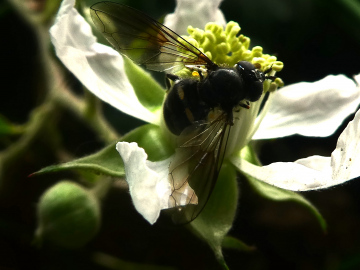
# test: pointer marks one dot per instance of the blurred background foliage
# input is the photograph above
(314, 38)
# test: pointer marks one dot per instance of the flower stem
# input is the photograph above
(44, 117)
(102, 187)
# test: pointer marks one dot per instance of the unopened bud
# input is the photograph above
(68, 215)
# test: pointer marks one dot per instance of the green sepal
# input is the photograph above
(147, 90)
(278, 194)
(216, 219)
(108, 161)
(235, 244)
(150, 137)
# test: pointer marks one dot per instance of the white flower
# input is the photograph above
(309, 109)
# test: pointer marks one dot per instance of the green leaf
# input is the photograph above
(108, 161)
(234, 243)
(277, 194)
(216, 219)
(148, 91)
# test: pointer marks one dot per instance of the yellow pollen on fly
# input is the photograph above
(195, 74)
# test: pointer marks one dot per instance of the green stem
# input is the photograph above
(87, 110)
(39, 118)
(102, 187)
(58, 96)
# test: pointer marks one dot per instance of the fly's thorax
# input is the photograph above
(223, 88)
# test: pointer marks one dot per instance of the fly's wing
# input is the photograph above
(194, 170)
(144, 40)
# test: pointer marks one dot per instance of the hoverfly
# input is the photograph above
(198, 111)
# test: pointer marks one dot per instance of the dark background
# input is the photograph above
(314, 38)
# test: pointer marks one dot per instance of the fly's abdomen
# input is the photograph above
(183, 106)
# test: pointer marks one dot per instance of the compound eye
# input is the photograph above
(249, 72)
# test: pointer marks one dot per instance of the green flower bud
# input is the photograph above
(68, 215)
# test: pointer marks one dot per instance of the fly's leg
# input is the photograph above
(269, 77)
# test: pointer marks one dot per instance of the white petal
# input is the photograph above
(290, 175)
(148, 181)
(357, 79)
(98, 67)
(195, 13)
(314, 172)
(345, 159)
(310, 109)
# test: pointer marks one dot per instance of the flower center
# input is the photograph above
(227, 48)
